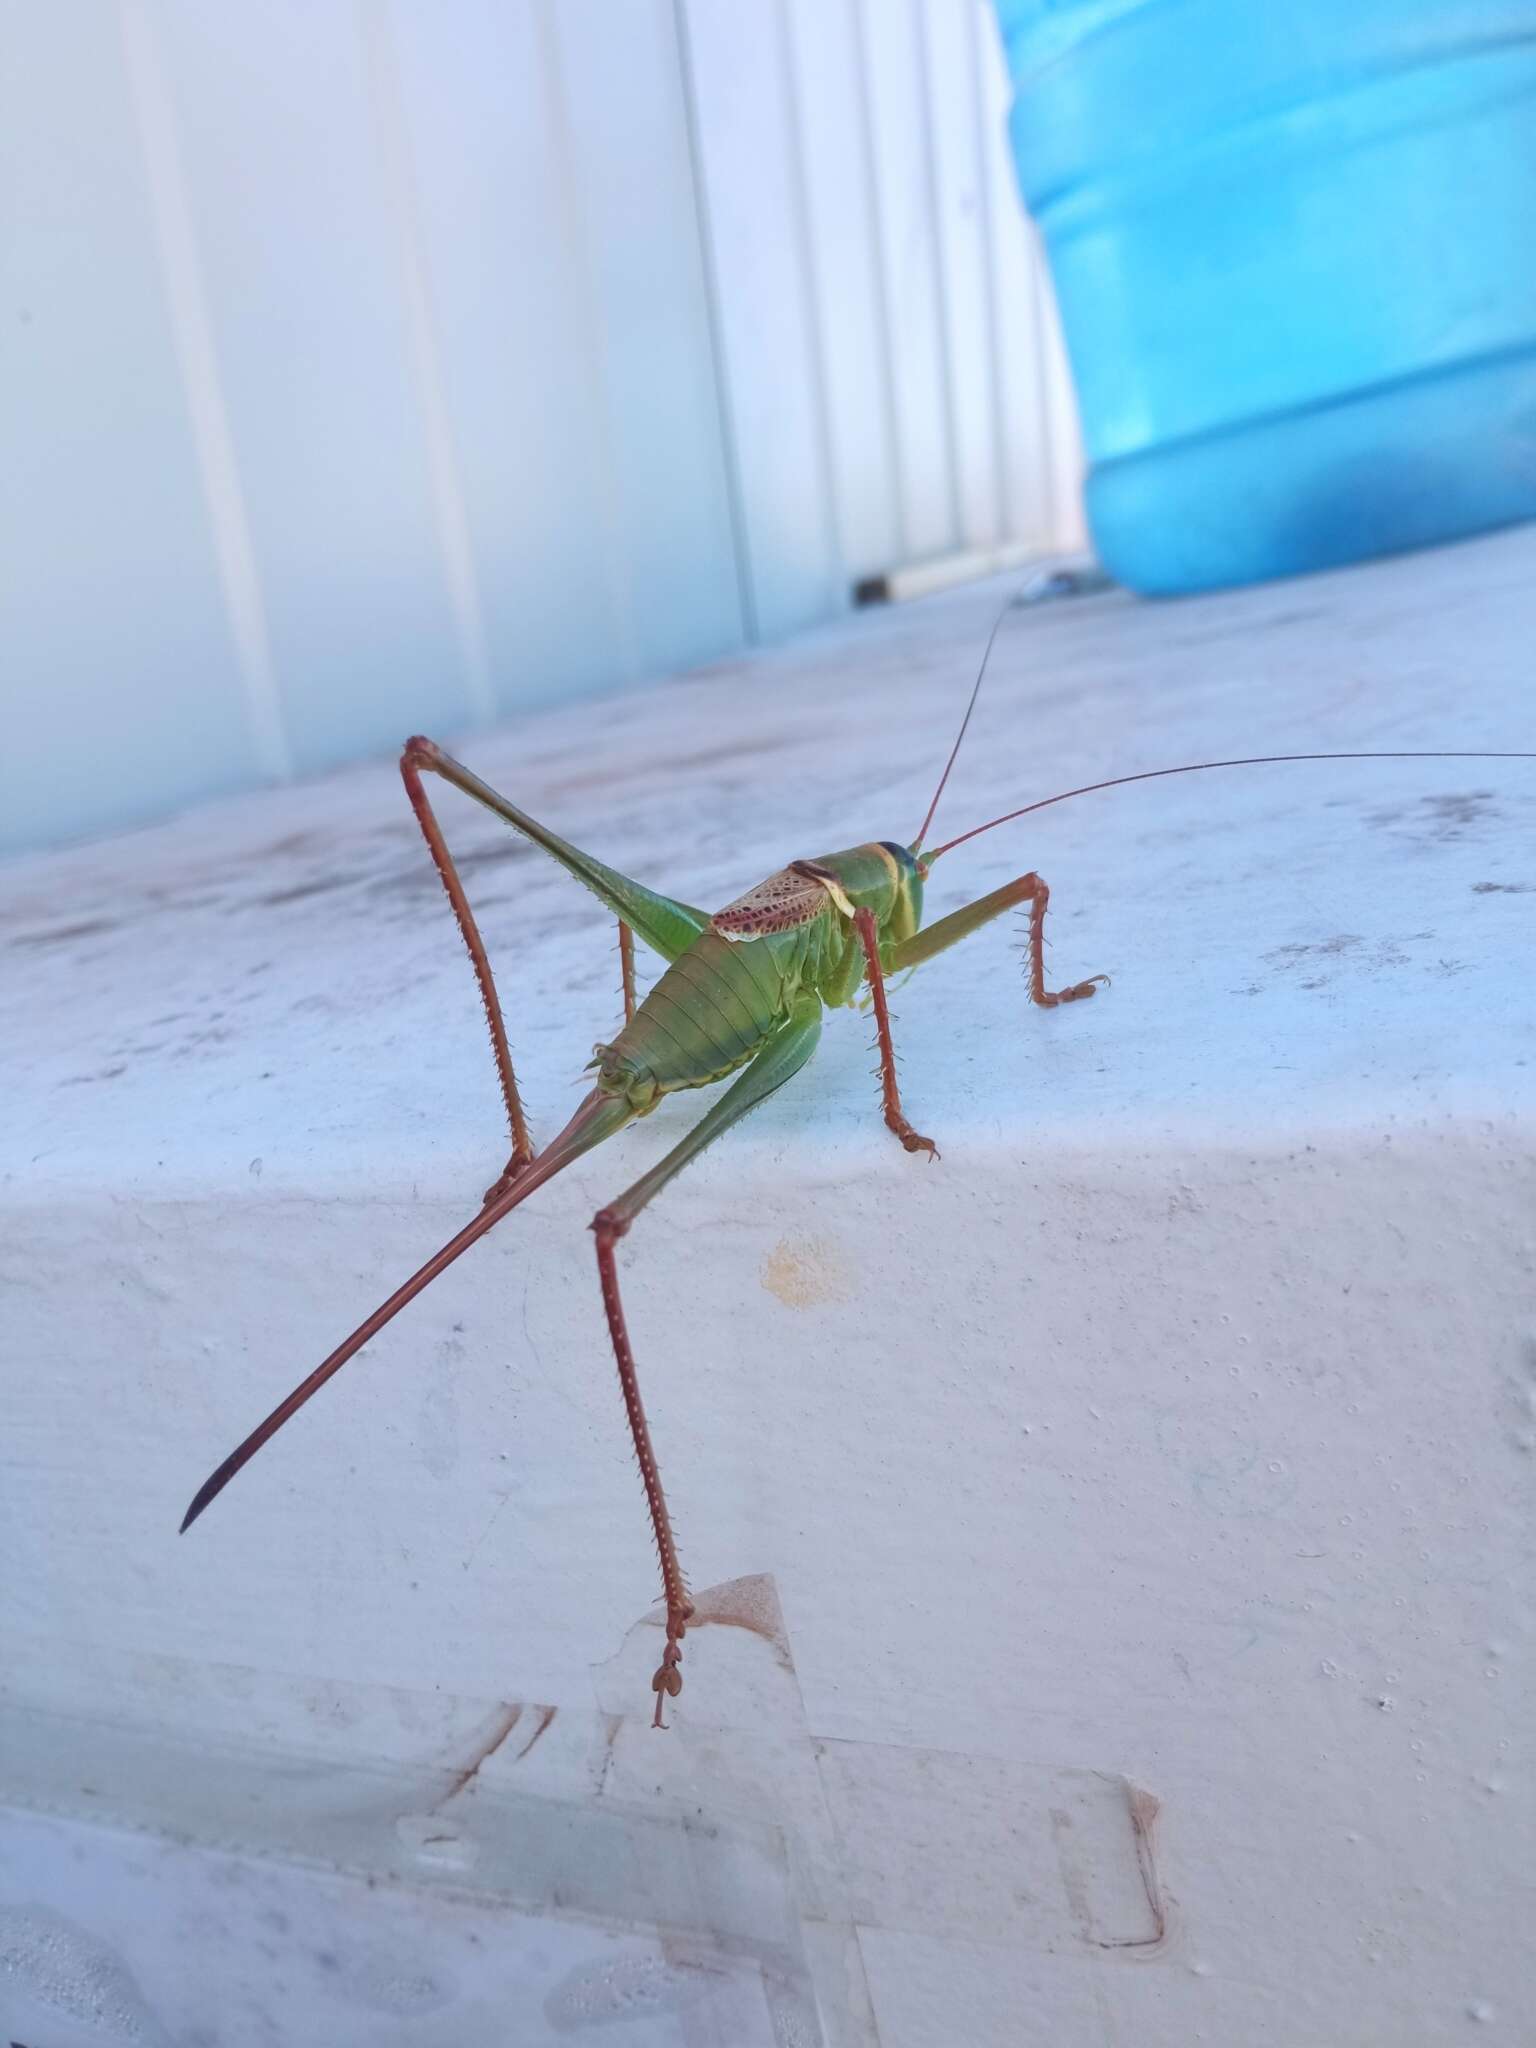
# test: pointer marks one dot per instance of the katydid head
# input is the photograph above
(907, 911)
(882, 877)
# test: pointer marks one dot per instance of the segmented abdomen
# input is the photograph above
(708, 1014)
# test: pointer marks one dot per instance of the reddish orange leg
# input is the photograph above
(783, 1055)
(1038, 896)
(937, 938)
(869, 937)
(610, 1225)
(419, 754)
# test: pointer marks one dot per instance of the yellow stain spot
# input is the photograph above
(807, 1272)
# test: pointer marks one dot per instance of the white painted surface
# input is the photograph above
(1172, 1436)
(106, 1937)
(376, 366)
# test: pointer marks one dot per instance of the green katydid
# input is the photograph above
(742, 993)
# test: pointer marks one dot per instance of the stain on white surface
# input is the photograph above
(807, 1272)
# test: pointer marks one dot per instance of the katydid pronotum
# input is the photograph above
(742, 993)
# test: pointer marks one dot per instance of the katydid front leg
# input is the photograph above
(937, 938)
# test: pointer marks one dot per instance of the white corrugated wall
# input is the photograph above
(375, 364)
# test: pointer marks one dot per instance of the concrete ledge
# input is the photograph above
(1176, 1428)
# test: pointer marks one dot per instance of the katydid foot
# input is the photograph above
(668, 1681)
(1048, 998)
(913, 1140)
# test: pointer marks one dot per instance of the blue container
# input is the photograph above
(1294, 243)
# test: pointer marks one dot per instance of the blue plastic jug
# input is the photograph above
(1294, 244)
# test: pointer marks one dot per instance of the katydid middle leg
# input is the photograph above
(869, 939)
(785, 1053)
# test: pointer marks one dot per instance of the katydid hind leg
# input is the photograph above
(667, 925)
(416, 757)
(627, 970)
(780, 1058)
(597, 1118)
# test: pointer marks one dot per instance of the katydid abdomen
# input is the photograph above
(712, 1009)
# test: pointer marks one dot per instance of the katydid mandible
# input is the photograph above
(743, 993)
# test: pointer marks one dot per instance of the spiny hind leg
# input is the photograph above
(938, 938)
(782, 1055)
(869, 939)
(609, 1225)
(421, 754)
(627, 969)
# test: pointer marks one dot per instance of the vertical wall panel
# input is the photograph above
(118, 671)
(627, 147)
(746, 139)
(386, 364)
(956, 126)
(829, 86)
(908, 250)
(510, 286)
(281, 158)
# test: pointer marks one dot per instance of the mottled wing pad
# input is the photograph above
(794, 896)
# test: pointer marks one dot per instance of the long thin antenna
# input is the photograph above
(1200, 767)
(997, 627)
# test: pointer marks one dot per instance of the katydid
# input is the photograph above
(742, 994)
